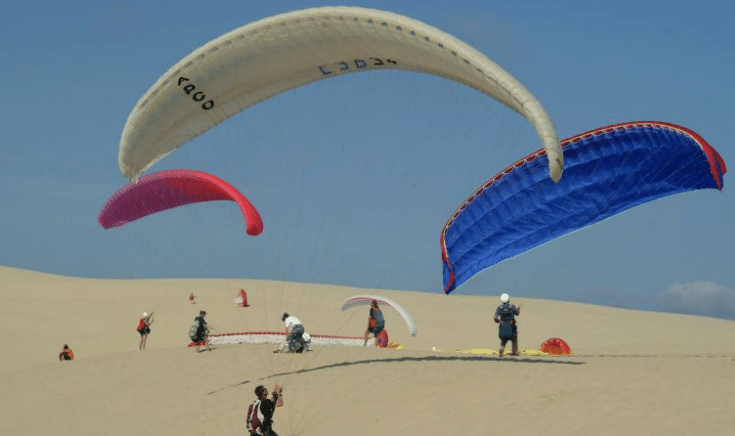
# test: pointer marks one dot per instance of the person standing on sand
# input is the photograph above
(376, 323)
(191, 298)
(144, 328)
(505, 316)
(199, 331)
(66, 354)
(260, 412)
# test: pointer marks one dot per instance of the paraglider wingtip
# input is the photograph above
(127, 172)
(557, 171)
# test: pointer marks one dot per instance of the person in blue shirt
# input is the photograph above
(376, 323)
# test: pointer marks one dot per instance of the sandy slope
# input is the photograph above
(632, 372)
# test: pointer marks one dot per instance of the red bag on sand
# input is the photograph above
(555, 346)
(382, 338)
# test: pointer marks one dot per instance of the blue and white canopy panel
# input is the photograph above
(607, 171)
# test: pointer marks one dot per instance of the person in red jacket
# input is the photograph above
(144, 328)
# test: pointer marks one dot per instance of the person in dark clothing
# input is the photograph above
(505, 316)
(199, 331)
(260, 413)
(66, 354)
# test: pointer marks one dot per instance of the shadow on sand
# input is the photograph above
(521, 360)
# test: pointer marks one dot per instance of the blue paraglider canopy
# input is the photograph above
(607, 171)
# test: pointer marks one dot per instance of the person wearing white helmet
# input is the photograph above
(505, 316)
(144, 328)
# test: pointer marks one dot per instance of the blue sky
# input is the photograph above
(356, 176)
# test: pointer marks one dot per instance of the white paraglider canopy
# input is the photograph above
(267, 57)
(366, 300)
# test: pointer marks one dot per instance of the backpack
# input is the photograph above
(194, 329)
(506, 313)
(255, 418)
(507, 319)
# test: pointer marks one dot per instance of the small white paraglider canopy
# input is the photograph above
(366, 300)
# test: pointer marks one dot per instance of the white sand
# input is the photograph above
(632, 372)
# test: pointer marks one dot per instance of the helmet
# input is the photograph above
(504, 298)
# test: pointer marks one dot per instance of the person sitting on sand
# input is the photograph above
(199, 331)
(294, 334)
(144, 328)
(260, 413)
(376, 323)
(505, 316)
(66, 354)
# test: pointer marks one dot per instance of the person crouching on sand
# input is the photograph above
(66, 354)
(294, 334)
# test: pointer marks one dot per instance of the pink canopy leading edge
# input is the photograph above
(555, 346)
(169, 189)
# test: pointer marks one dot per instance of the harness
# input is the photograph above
(507, 315)
(507, 330)
(255, 419)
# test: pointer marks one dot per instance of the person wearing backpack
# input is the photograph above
(376, 323)
(66, 354)
(144, 328)
(199, 331)
(505, 316)
(260, 412)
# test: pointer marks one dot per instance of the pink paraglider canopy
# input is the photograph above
(169, 189)
(555, 346)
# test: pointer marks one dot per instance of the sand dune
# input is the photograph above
(631, 372)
